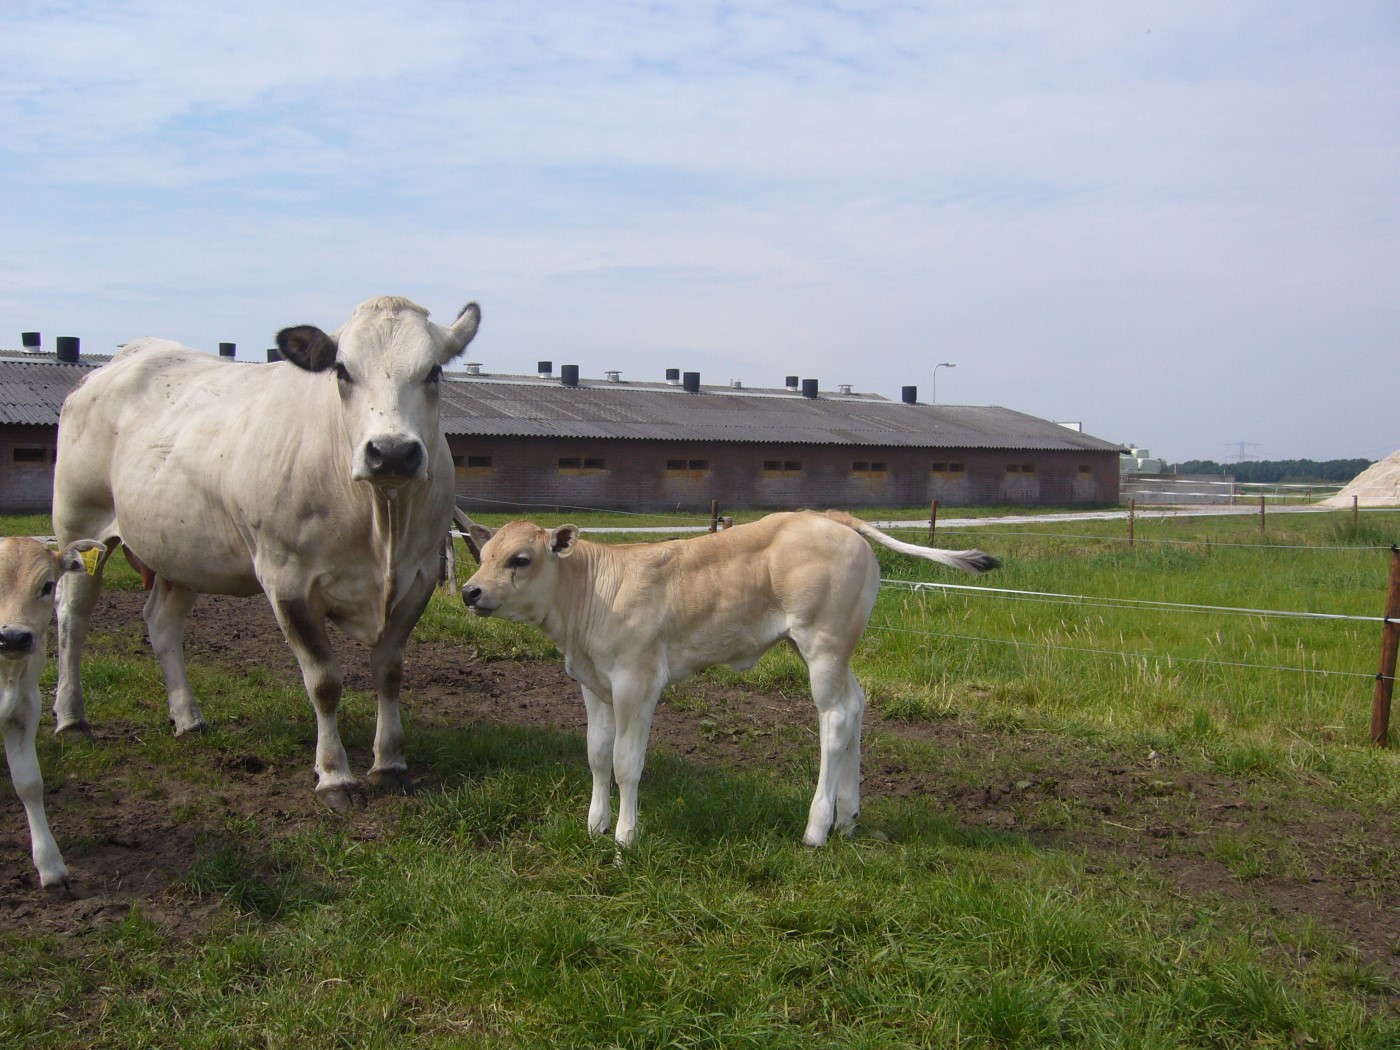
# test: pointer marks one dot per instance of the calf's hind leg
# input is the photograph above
(76, 598)
(840, 709)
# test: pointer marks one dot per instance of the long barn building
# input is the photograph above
(525, 442)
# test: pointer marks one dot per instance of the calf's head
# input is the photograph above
(29, 574)
(519, 562)
(387, 361)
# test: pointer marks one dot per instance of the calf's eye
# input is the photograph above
(519, 561)
(46, 589)
(435, 374)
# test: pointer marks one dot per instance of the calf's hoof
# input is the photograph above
(194, 725)
(391, 781)
(60, 889)
(343, 799)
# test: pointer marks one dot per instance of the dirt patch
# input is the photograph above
(136, 848)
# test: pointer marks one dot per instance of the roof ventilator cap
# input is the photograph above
(909, 395)
(691, 382)
(473, 368)
(792, 382)
(673, 376)
(228, 349)
(614, 376)
(68, 349)
(273, 354)
(568, 375)
(545, 369)
(809, 388)
(30, 341)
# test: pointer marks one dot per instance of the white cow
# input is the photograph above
(29, 572)
(632, 618)
(322, 481)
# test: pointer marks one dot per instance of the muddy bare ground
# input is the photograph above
(131, 849)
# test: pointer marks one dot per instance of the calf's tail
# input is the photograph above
(968, 561)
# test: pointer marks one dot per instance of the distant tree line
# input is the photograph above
(1273, 471)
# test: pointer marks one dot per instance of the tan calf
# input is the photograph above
(29, 573)
(632, 618)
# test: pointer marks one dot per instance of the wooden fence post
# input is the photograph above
(714, 515)
(1132, 521)
(1354, 520)
(932, 520)
(1261, 515)
(1390, 638)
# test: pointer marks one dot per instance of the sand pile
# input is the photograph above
(1376, 486)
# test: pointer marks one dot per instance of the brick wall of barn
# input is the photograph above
(26, 468)
(520, 473)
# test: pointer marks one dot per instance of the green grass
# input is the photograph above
(483, 915)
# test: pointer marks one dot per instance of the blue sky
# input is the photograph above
(1178, 223)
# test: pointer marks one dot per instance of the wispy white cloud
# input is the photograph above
(1157, 218)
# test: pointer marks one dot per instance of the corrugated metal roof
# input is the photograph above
(33, 386)
(545, 408)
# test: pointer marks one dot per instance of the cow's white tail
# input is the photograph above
(968, 561)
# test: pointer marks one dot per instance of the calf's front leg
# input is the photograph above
(634, 703)
(602, 730)
(20, 728)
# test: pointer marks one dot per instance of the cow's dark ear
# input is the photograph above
(306, 346)
(562, 540)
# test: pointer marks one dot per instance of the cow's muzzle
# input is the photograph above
(393, 459)
(16, 641)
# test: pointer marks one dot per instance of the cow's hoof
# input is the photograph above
(343, 799)
(76, 729)
(392, 781)
(190, 729)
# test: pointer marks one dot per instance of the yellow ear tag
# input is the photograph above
(90, 557)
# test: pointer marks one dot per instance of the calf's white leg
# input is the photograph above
(841, 706)
(602, 730)
(634, 703)
(20, 724)
(165, 613)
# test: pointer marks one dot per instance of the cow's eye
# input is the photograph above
(435, 374)
(518, 561)
(46, 589)
(342, 373)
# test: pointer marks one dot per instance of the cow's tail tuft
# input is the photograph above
(973, 561)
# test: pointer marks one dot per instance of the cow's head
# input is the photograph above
(387, 361)
(518, 564)
(29, 574)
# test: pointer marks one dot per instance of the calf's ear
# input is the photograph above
(70, 558)
(562, 540)
(477, 537)
(306, 346)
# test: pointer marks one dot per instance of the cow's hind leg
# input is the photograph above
(602, 730)
(165, 613)
(76, 598)
(841, 707)
(390, 770)
(19, 730)
(305, 631)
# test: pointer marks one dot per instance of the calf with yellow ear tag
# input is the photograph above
(29, 575)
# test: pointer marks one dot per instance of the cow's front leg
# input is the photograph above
(165, 613)
(634, 702)
(305, 631)
(602, 730)
(19, 729)
(77, 597)
(386, 667)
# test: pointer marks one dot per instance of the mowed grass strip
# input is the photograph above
(483, 915)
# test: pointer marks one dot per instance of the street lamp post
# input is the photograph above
(933, 387)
